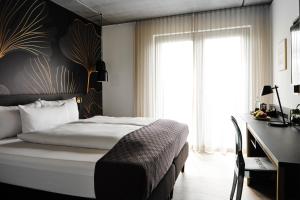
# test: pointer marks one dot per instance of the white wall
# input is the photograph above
(284, 12)
(118, 54)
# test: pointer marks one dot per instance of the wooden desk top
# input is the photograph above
(282, 144)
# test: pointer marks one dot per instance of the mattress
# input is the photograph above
(58, 169)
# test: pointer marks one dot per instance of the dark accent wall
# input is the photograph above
(46, 49)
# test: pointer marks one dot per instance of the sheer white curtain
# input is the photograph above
(145, 57)
(222, 86)
(174, 77)
(257, 18)
(201, 68)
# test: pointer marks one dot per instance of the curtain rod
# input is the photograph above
(196, 12)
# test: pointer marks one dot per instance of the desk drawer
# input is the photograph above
(254, 149)
(252, 141)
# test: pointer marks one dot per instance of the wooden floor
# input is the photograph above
(209, 177)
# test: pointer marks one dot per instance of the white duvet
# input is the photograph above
(98, 132)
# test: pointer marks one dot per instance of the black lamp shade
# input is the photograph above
(93, 83)
(267, 89)
(296, 88)
(102, 74)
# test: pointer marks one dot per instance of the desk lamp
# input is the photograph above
(268, 89)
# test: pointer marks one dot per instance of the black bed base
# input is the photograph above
(164, 190)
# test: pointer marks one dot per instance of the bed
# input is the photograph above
(133, 168)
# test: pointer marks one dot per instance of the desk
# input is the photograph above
(282, 146)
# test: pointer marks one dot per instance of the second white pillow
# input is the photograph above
(36, 119)
(71, 105)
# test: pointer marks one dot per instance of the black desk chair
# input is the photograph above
(246, 165)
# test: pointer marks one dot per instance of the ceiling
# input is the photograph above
(120, 11)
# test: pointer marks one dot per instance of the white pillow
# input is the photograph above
(10, 120)
(71, 105)
(36, 119)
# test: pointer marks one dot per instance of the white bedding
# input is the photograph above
(63, 169)
(137, 121)
(58, 169)
(99, 132)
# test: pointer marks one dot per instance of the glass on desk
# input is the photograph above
(257, 105)
(295, 116)
(263, 107)
(272, 111)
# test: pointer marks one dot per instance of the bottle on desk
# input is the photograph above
(257, 104)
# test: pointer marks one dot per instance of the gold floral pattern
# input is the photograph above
(21, 31)
(82, 45)
(46, 79)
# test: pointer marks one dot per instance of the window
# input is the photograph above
(174, 92)
(201, 80)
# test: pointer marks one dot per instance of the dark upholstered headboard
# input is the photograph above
(13, 100)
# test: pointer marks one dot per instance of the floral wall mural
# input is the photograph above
(42, 78)
(82, 45)
(21, 26)
(46, 49)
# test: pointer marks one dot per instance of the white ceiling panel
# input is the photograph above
(119, 11)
